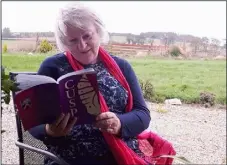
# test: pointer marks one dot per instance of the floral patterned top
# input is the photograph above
(86, 140)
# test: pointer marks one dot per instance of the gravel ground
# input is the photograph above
(197, 133)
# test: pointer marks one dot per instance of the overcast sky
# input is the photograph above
(196, 18)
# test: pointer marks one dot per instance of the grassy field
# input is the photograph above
(183, 79)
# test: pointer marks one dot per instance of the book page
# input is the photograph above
(79, 72)
(26, 81)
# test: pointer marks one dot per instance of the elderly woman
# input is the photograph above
(113, 138)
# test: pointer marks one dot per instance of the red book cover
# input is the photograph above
(42, 99)
(38, 105)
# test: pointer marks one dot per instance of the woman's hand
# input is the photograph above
(61, 127)
(108, 122)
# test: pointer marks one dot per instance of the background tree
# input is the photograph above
(205, 43)
(215, 44)
(6, 33)
(195, 44)
(224, 45)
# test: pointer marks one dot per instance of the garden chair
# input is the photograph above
(31, 150)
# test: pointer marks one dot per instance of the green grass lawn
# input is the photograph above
(7, 42)
(20, 62)
(183, 79)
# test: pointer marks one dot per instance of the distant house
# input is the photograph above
(119, 38)
(147, 41)
(157, 42)
(15, 35)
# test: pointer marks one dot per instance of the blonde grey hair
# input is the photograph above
(79, 16)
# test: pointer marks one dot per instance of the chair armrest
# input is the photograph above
(40, 151)
(179, 158)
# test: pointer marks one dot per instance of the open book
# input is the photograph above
(41, 99)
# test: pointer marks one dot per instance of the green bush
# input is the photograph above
(6, 86)
(207, 98)
(175, 51)
(147, 89)
(158, 98)
(149, 92)
(45, 46)
(5, 48)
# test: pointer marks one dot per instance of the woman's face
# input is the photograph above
(83, 43)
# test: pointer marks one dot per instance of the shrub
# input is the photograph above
(6, 86)
(158, 98)
(207, 98)
(175, 51)
(5, 48)
(45, 46)
(147, 89)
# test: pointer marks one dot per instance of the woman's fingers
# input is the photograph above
(105, 115)
(64, 122)
(59, 119)
(70, 125)
(104, 124)
(62, 126)
(111, 131)
(108, 122)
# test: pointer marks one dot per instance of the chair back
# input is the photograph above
(26, 156)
